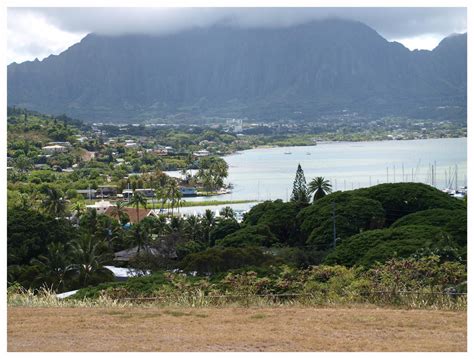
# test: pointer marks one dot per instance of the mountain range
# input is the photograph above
(297, 72)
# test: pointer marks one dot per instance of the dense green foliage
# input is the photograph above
(279, 216)
(400, 199)
(384, 284)
(216, 260)
(380, 245)
(453, 222)
(249, 236)
(353, 214)
(30, 233)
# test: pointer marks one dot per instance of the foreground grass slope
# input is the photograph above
(294, 328)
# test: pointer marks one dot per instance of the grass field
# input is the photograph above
(294, 328)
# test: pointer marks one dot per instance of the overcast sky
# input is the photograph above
(39, 32)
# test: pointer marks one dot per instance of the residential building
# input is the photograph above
(101, 207)
(54, 149)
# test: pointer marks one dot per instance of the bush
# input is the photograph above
(299, 257)
(380, 245)
(401, 199)
(453, 222)
(279, 217)
(223, 228)
(30, 233)
(216, 260)
(250, 236)
(353, 215)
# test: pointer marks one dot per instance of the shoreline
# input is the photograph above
(326, 142)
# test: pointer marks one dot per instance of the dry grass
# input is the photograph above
(290, 328)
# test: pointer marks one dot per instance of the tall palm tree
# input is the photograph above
(227, 212)
(160, 194)
(193, 228)
(79, 209)
(55, 266)
(208, 222)
(172, 194)
(89, 221)
(320, 186)
(138, 199)
(54, 202)
(89, 257)
(119, 211)
(139, 237)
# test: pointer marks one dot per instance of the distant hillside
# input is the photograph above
(296, 72)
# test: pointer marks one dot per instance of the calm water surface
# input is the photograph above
(268, 173)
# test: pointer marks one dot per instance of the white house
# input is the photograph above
(54, 149)
(201, 153)
(100, 206)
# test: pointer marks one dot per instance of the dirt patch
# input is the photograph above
(235, 329)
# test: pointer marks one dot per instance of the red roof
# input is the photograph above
(132, 213)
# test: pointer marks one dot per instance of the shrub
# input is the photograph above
(380, 245)
(250, 236)
(453, 222)
(223, 228)
(400, 199)
(279, 217)
(353, 215)
(216, 260)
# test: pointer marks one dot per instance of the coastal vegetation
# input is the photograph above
(55, 241)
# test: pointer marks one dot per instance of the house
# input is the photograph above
(87, 193)
(188, 191)
(105, 191)
(201, 153)
(127, 254)
(147, 192)
(101, 206)
(170, 150)
(65, 144)
(54, 149)
(131, 213)
(161, 151)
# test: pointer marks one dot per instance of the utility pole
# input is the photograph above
(334, 224)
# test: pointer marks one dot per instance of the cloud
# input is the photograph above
(414, 27)
(30, 36)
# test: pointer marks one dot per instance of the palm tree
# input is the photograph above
(227, 212)
(119, 211)
(172, 193)
(162, 195)
(89, 256)
(138, 199)
(208, 222)
(89, 221)
(55, 266)
(193, 228)
(79, 209)
(54, 203)
(139, 237)
(320, 186)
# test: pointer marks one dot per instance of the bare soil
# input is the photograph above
(235, 329)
